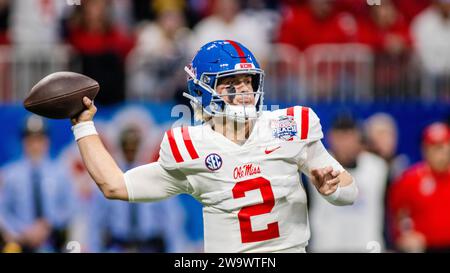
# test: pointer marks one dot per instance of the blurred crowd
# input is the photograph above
(137, 49)
(52, 205)
(401, 207)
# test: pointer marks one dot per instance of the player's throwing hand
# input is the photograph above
(326, 180)
(87, 114)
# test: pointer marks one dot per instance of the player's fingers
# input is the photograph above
(93, 108)
(315, 173)
(335, 173)
(320, 175)
(90, 105)
(331, 190)
(333, 181)
(87, 102)
(327, 171)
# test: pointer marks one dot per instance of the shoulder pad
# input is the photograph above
(306, 121)
(177, 148)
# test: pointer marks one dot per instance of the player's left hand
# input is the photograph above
(326, 180)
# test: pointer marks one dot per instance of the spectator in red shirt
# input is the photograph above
(387, 33)
(410, 8)
(317, 22)
(102, 47)
(385, 30)
(419, 201)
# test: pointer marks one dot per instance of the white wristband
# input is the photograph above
(334, 196)
(343, 195)
(84, 129)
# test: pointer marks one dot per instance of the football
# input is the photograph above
(60, 95)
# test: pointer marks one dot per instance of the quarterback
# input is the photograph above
(242, 163)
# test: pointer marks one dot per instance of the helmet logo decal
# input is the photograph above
(244, 66)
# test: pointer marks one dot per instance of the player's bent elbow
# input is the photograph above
(116, 191)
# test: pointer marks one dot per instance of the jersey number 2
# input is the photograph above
(247, 234)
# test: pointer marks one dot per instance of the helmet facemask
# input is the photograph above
(237, 106)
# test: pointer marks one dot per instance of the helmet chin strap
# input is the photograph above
(240, 113)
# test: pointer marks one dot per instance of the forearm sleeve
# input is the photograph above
(343, 196)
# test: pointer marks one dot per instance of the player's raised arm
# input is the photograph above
(99, 163)
(150, 182)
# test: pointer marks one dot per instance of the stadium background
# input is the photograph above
(358, 58)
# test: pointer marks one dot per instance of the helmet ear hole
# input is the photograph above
(198, 92)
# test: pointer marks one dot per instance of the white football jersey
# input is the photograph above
(252, 196)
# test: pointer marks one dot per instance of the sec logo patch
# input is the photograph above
(213, 162)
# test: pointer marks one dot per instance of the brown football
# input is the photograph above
(60, 95)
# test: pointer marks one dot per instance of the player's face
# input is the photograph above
(231, 86)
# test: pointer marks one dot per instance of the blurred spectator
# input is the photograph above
(410, 8)
(36, 23)
(354, 228)
(132, 227)
(102, 47)
(387, 33)
(419, 200)
(4, 22)
(266, 15)
(123, 14)
(36, 198)
(228, 22)
(431, 33)
(381, 138)
(359, 9)
(318, 22)
(155, 67)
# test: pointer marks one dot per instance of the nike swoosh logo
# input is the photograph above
(271, 150)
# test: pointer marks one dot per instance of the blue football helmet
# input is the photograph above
(218, 59)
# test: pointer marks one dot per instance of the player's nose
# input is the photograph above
(244, 97)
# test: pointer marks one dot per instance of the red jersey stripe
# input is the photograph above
(290, 111)
(239, 51)
(305, 123)
(188, 142)
(173, 146)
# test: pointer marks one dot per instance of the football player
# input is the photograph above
(241, 163)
